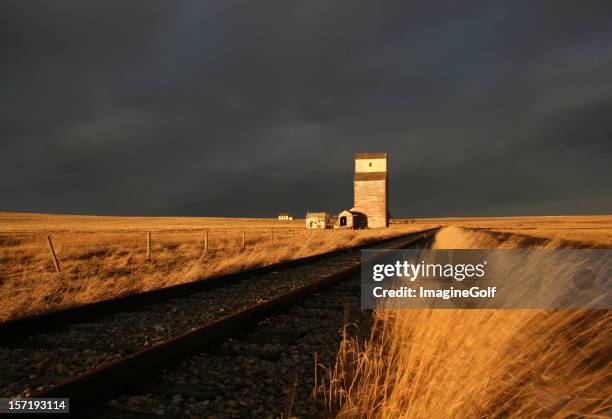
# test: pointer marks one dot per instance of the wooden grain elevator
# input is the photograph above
(372, 188)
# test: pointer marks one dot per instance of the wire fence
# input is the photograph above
(53, 250)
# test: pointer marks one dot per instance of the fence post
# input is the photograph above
(205, 241)
(316, 381)
(292, 232)
(272, 233)
(52, 250)
(243, 239)
(148, 245)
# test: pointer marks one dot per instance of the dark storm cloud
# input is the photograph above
(233, 108)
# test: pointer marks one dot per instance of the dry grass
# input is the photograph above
(591, 230)
(14, 222)
(476, 363)
(105, 257)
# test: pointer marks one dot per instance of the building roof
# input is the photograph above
(368, 156)
(359, 176)
(280, 214)
(352, 211)
(316, 214)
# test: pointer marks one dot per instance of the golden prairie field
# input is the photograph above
(417, 363)
(105, 257)
(480, 363)
(589, 231)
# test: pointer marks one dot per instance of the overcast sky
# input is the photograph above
(244, 108)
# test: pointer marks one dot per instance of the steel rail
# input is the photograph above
(87, 389)
(49, 321)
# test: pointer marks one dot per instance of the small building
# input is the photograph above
(285, 216)
(317, 220)
(351, 219)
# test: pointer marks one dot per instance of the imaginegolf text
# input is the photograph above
(448, 271)
(445, 294)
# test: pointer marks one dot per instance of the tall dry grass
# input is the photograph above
(476, 363)
(107, 257)
(586, 230)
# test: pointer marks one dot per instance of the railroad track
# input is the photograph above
(23, 327)
(89, 361)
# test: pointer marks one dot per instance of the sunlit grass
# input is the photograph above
(475, 363)
(108, 257)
